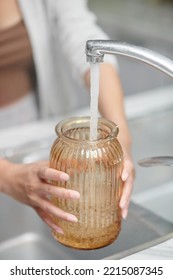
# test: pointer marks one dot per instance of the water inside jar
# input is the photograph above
(83, 133)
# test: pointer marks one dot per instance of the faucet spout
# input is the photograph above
(96, 49)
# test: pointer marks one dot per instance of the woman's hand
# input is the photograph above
(127, 176)
(30, 184)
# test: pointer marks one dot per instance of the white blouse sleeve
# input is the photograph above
(75, 25)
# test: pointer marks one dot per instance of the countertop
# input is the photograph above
(162, 251)
(135, 106)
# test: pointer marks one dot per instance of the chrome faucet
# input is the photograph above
(96, 49)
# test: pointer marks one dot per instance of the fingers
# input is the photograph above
(48, 220)
(39, 195)
(59, 192)
(125, 198)
(50, 174)
(47, 173)
(128, 168)
(128, 178)
(50, 209)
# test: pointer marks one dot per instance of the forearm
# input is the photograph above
(111, 101)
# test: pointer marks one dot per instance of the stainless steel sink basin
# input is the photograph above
(25, 236)
(153, 136)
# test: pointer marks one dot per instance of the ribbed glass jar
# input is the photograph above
(95, 169)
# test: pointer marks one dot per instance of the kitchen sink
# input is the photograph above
(23, 235)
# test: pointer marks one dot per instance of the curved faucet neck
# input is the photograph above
(96, 49)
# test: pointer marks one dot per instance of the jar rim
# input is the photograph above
(76, 122)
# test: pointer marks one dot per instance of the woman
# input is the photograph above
(41, 53)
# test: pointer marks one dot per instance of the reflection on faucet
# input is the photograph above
(95, 50)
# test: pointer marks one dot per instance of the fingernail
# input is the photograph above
(59, 230)
(125, 176)
(64, 177)
(122, 204)
(124, 213)
(72, 218)
(75, 194)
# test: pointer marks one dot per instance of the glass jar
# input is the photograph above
(95, 169)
